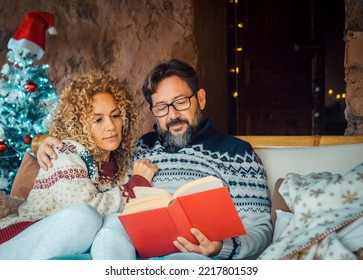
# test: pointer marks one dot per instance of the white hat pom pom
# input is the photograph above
(3, 183)
(52, 30)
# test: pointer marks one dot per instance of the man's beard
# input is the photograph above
(180, 140)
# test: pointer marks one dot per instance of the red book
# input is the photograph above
(154, 219)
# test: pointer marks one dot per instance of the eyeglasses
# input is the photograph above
(180, 104)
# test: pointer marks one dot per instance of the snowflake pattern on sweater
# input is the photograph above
(235, 163)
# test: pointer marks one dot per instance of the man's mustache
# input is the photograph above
(176, 121)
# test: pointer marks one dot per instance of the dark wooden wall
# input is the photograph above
(211, 39)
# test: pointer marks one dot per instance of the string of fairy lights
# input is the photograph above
(237, 49)
(337, 95)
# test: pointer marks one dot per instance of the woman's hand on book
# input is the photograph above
(205, 247)
(145, 168)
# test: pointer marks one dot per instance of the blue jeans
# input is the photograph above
(69, 231)
(112, 242)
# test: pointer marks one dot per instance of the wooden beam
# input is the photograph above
(309, 140)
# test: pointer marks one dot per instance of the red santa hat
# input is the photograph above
(30, 35)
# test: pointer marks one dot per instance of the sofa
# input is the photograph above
(319, 158)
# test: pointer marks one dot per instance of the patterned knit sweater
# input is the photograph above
(73, 179)
(235, 163)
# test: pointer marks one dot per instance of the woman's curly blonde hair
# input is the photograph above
(72, 116)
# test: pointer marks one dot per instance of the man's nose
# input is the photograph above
(173, 112)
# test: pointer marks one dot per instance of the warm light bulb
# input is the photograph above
(343, 95)
(240, 25)
(338, 96)
(235, 94)
(330, 91)
(238, 49)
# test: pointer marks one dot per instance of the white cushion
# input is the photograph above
(278, 161)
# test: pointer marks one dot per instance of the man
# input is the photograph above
(185, 147)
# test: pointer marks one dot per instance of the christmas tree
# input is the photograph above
(27, 97)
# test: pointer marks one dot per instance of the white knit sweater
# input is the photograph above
(73, 179)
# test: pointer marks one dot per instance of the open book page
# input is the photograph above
(147, 191)
(202, 184)
(146, 203)
(199, 185)
(147, 198)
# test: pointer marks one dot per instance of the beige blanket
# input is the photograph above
(9, 204)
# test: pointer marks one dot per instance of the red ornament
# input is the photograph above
(27, 139)
(31, 86)
(3, 146)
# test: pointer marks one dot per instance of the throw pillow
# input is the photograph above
(24, 179)
(278, 202)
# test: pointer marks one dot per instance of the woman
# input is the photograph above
(97, 122)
